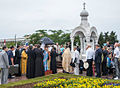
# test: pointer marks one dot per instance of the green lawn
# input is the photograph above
(39, 79)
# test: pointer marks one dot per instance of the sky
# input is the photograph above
(23, 17)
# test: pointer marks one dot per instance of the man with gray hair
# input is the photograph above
(4, 65)
(116, 57)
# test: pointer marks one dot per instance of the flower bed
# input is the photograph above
(63, 80)
(79, 82)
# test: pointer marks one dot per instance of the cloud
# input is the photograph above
(25, 16)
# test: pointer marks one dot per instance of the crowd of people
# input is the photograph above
(106, 60)
(103, 60)
(34, 61)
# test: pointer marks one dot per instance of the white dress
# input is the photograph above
(77, 56)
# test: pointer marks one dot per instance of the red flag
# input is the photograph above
(4, 42)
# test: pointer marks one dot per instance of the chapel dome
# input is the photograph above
(84, 13)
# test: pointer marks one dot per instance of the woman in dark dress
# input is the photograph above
(53, 65)
(39, 68)
(104, 63)
(30, 63)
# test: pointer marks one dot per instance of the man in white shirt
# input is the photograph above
(89, 58)
(116, 57)
(76, 61)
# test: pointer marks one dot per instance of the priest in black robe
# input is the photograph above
(39, 68)
(53, 65)
(18, 59)
(30, 63)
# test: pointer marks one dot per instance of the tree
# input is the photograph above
(106, 36)
(77, 40)
(62, 37)
(111, 37)
(65, 38)
(56, 35)
(9, 44)
(101, 39)
(42, 33)
(35, 37)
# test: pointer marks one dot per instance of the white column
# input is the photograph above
(84, 43)
(81, 44)
(72, 43)
(96, 40)
(93, 42)
(88, 39)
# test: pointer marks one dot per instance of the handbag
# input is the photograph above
(75, 60)
(13, 69)
(72, 63)
(81, 64)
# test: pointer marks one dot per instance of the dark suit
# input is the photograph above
(98, 58)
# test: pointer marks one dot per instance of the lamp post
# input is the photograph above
(15, 40)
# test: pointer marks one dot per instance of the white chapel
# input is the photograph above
(87, 34)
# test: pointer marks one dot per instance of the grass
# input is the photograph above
(39, 79)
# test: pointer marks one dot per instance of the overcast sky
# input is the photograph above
(25, 16)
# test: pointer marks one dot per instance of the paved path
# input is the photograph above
(59, 71)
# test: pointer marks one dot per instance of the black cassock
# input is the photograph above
(18, 60)
(39, 68)
(53, 65)
(30, 64)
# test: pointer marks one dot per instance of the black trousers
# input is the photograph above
(19, 67)
(98, 69)
(90, 70)
(104, 67)
(81, 66)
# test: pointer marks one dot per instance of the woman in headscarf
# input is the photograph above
(104, 63)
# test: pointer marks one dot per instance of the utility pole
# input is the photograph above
(15, 40)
